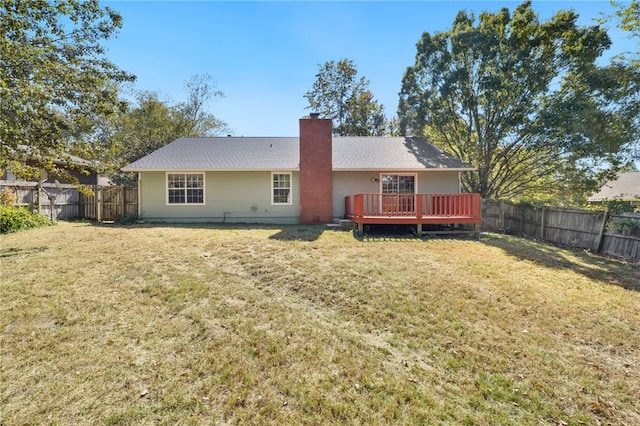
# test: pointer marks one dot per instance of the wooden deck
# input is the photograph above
(413, 209)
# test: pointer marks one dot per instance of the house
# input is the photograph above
(77, 169)
(310, 179)
(625, 188)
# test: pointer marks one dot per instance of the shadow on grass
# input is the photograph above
(299, 233)
(381, 233)
(612, 271)
(282, 232)
(10, 252)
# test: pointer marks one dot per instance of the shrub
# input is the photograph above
(126, 220)
(13, 219)
(619, 206)
(7, 197)
(625, 224)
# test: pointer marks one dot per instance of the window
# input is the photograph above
(185, 188)
(281, 188)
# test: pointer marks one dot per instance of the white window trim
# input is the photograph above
(177, 172)
(415, 179)
(290, 189)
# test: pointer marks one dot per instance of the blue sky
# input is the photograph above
(264, 55)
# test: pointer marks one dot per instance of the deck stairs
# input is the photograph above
(340, 224)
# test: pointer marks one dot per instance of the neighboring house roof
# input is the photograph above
(68, 159)
(626, 187)
(283, 153)
(105, 181)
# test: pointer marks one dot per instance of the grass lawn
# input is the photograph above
(225, 325)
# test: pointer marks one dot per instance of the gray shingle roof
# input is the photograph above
(396, 153)
(222, 153)
(282, 153)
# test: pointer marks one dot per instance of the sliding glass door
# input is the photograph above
(398, 194)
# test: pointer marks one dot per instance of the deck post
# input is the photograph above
(419, 229)
(418, 205)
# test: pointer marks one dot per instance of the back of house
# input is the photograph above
(308, 179)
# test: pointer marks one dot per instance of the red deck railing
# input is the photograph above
(413, 208)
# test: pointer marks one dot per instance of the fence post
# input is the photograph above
(98, 203)
(521, 220)
(39, 197)
(603, 225)
(543, 221)
(80, 204)
(124, 204)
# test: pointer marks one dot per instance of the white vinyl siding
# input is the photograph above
(230, 196)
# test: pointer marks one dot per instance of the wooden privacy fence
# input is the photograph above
(101, 203)
(110, 203)
(593, 230)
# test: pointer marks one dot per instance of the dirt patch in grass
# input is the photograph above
(270, 325)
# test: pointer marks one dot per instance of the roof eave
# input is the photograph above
(291, 169)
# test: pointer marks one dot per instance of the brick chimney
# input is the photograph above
(315, 170)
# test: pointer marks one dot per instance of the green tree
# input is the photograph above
(629, 16)
(54, 76)
(339, 94)
(519, 99)
(626, 17)
(595, 119)
(191, 116)
(153, 123)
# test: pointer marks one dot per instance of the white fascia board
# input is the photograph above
(181, 170)
(443, 169)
